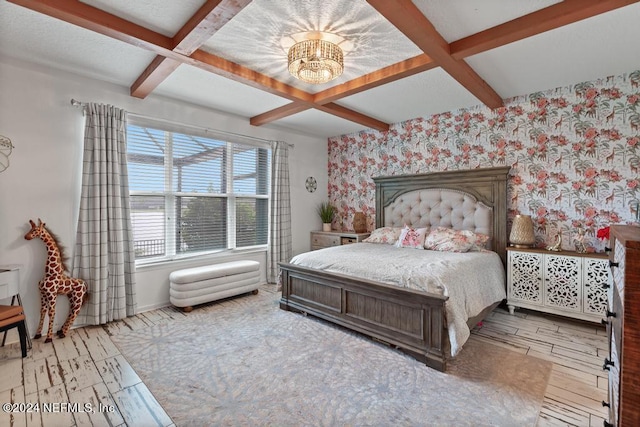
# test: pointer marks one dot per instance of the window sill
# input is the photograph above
(178, 261)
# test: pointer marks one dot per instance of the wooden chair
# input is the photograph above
(12, 316)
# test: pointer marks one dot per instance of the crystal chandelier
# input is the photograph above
(315, 61)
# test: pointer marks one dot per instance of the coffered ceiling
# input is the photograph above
(403, 59)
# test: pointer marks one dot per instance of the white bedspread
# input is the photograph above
(472, 280)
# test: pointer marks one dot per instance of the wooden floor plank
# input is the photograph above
(140, 408)
(531, 341)
(117, 373)
(70, 347)
(40, 350)
(576, 400)
(545, 337)
(11, 373)
(568, 362)
(137, 322)
(80, 373)
(12, 419)
(557, 413)
(89, 367)
(589, 391)
(53, 407)
(104, 411)
(573, 374)
(593, 360)
(98, 343)
(42, 374)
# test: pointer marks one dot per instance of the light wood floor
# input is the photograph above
(86, 368)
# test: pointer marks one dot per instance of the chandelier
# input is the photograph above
(315, 61)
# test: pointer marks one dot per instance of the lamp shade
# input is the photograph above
(522, 235)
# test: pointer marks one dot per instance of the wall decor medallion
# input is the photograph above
(311, 184)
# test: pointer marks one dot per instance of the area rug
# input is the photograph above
(245, 362)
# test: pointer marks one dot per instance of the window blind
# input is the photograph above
(191, 193)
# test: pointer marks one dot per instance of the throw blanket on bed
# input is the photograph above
(472, 280)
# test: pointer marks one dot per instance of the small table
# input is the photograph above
(325, 239)
(10, 287)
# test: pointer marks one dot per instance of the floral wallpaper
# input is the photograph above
(574, 154)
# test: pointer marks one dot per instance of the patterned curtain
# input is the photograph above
(280, 244)
(104, 255)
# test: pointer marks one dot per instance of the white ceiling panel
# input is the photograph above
(30, 36)
(461, 18)
(318, 123)
(165, 17)
(259, 37)
(200, 87)
(430, 92)
(598, 47)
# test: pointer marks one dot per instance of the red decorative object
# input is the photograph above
(603, 233)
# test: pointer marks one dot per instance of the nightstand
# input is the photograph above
(566, 283)
(326, 239)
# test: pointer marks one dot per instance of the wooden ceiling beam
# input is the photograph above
(208, 20)
(353, 116)
(385, 75)
(280, 113)
(211, 16)
(155, 73)
(225, 68)
(329, 107)
(407, 18)
(99, 21)
(552, 17)
(389, 74)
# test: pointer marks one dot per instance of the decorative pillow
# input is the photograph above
(481, 241)
(412, 238)
(386, 235)
(450, 240)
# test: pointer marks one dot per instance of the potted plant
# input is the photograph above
(326, 211)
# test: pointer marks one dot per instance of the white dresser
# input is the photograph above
(566, 283)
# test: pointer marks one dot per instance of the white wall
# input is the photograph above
(43, 180)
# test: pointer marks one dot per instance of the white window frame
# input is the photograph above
(170, 196)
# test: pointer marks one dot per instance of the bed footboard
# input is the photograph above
(413, 322)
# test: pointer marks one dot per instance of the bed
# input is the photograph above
(412, 320)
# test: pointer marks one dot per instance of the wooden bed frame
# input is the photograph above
(412, 321)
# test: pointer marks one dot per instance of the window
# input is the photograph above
(193, 193)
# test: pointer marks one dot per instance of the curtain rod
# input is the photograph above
(80, 104)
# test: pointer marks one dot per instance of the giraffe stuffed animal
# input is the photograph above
(55, 282)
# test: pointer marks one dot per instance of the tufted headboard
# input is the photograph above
(474, 199)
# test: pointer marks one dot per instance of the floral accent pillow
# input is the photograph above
(450, 240)
(481, 241)
(385, 235)
(412, 238)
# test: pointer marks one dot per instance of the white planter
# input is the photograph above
(326, 226)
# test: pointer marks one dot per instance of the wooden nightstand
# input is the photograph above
(325, 239)
(566, 283)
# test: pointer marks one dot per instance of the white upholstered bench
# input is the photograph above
(199, 285)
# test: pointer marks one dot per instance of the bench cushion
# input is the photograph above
(196, 274)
